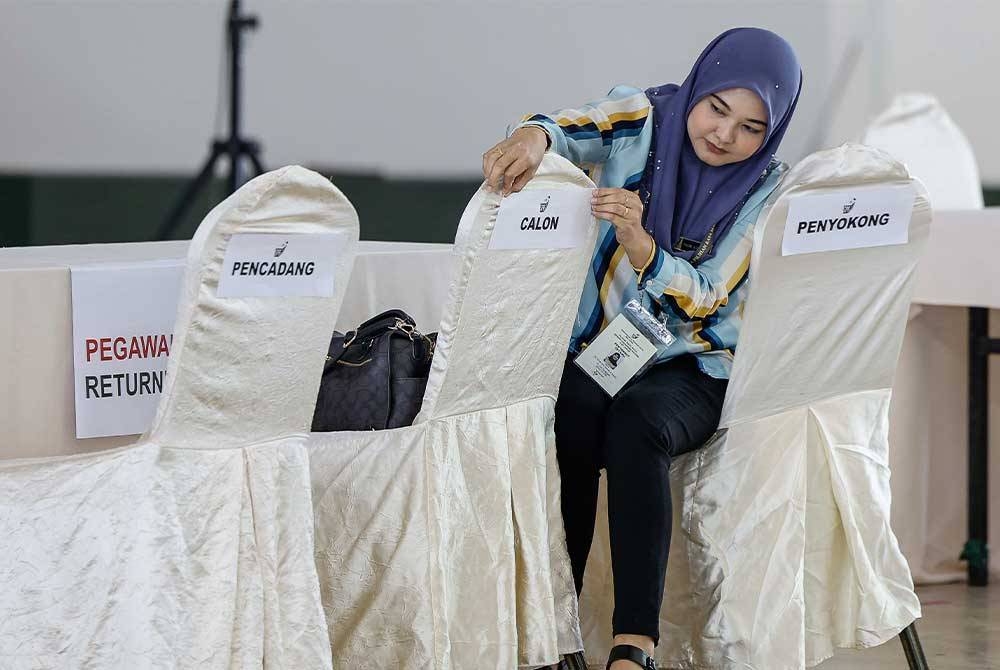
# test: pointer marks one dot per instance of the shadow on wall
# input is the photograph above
(50, 209)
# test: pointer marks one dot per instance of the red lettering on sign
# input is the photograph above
(123, 348)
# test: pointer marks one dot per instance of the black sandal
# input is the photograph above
(629, 652)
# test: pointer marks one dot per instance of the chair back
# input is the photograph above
(246, 367)
(507, 323)
(917, 131)
(824, 324)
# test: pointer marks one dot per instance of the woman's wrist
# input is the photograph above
(541, 133)
(641, 253)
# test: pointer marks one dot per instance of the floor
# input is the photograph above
(960, 630)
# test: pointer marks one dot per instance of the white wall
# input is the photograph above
(417, 88)
(948, 48)
(422, 88)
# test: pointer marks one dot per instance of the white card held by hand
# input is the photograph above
(543, 219)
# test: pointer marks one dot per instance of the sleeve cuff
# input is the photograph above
(540, 126)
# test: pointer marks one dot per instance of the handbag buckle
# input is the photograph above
(406, 328)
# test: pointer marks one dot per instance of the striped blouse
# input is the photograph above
(610, 139)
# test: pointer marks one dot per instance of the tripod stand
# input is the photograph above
(235, 147)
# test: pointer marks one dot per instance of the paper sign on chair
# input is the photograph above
(854, 218)
(543, 219)
(269, 265)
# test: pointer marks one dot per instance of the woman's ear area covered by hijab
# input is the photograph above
(727, 126)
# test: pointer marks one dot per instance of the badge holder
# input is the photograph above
(625, 349)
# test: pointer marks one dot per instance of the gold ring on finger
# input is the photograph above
(626, 210)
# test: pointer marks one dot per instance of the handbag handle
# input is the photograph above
(393, 319)
(389, 320)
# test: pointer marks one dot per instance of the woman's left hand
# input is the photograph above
(623, 209)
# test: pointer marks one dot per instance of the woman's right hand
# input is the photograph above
(510, 164)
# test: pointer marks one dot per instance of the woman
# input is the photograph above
(684, 172)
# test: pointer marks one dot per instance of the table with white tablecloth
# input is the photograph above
(36, 353)
(937, 506)
(929, 413)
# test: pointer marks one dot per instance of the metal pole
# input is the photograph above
(976, 550)
(235, 30)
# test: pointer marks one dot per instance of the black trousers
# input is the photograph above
(669, 410)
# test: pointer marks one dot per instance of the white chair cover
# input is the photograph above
(192, 548)
(440, 545)
(917, 131)
(782, 548)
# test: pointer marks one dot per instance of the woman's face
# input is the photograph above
(728, 126)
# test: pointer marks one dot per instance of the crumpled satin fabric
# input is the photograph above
(194, 547)
(229, 538)
(782, 549)
(441, 545)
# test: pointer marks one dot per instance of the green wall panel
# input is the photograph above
(61, 209)
(15, 211)
(56, 209)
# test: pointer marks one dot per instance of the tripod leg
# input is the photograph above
(254, 155)
(912, 648)
(187, 196)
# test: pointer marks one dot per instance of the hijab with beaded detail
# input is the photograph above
(689, 198)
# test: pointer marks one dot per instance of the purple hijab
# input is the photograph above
(687, 196)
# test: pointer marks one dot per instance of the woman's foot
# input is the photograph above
(642, 642)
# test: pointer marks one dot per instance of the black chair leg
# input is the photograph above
(911, 647)
(574, 661)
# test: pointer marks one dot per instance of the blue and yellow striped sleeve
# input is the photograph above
(696, 292)
(691, 292)
(589, 135)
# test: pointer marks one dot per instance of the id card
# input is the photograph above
(617, 355)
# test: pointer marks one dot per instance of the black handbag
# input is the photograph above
(374, 377)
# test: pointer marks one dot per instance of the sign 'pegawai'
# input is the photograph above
(123, 320)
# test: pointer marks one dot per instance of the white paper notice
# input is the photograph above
(123, 323)
(854, 218)
(274, 265)
(543, 219)
(616, 355)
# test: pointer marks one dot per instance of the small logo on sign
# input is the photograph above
(849, 206)
(280, 250)
(545, 204)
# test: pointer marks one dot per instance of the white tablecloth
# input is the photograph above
(36, 354)
(929, 423)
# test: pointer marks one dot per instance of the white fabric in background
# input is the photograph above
(917, 131)
(194, 547)
(441, 545)
(782, 548)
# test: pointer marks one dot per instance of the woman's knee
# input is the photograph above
(632, 435)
